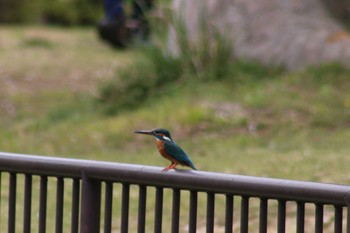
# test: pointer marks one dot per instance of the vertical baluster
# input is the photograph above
(281, 218)
(59, 204)
(300, 217)
(175, 211)
(90, 214)
(158, 219)
(263, 215)
(43, 204)
(27, 203)
(0, 200)
(124, 227)
(347, 215)
(319, 218)
(244, 214)
(75, 206)
(229, 213)
(12, 204)
(108, 207)
(338, 219)
(193, 211)
(210, 212)
(142, 209)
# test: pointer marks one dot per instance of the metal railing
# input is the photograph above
(88, 177)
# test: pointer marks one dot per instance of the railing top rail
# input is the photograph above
(182, 179)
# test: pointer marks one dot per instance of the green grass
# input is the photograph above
(255, 121)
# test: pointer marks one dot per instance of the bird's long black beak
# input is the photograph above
(149, 132)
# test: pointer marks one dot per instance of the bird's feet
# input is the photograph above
(171, 166)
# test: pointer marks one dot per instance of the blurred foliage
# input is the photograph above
(37, 42)
(82, 12)
(145, 78)
(209, 57)
(67, 12)
(155, 73)
(20, 11)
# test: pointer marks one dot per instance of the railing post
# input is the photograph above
(158, 217)
(175, 220)
(192, 228)
(300, 217)
(90, 205)
(12, 203)
(75, 206)
(108, 207)
(229, 213)
(338, 219)
(142, 209)
(27, 204)
(281, 216)
(124, 220)
(210, 212)
(59, 204)
(347, 214)
(319, 218)
(263, 215)
(244, 214)
(43, 204)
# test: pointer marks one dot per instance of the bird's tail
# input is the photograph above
(190, 164)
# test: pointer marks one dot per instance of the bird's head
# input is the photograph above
(160, 134)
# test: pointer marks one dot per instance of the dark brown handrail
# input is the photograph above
(184, 179)
(90, 174)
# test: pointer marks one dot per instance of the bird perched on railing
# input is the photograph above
(168, 148)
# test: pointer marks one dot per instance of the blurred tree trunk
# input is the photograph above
(291, 33)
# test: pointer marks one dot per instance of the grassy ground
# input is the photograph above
(292, 126)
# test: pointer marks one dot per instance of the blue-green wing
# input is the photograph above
(175, 151)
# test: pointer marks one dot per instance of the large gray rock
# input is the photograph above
(291, 33)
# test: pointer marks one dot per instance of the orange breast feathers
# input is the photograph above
(161, 149)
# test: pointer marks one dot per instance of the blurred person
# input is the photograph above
(116, 29)
(111, 28)
(114, 9)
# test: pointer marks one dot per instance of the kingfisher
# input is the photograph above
(168, 148)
